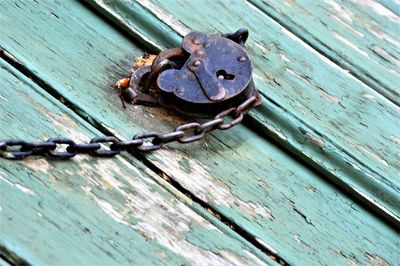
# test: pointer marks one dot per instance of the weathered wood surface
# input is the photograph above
(280, 203)
(4, 263)
(314, 108)
(90, 210)
(360, 36)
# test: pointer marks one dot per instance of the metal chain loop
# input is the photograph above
(197, 133)
(170, 137)
(39, 148)
(126, 145)
(211, 125)
(83, 148)
(60, 154)
(8, 150)
(105, 153)
(238, 117)
(153, 145)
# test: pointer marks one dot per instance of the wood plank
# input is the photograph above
(88, 211)
(280, 203)
(392, 5)
(362, 36)
(334, 124)
(4, 263)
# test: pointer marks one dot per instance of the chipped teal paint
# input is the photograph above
(362, 37)
(268, 193)
(184, 165)
(392, 5)
(92, 211)
(162, 36)
(335, 107)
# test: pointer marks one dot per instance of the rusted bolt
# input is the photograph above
(182, 76)
(196, 41)
(242, 58)
(179, 90)
(196, 63)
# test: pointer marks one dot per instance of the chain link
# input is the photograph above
(143, 142)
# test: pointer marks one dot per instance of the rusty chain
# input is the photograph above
(143, 142)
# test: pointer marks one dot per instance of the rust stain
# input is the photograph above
(122, 83)
(145, 60)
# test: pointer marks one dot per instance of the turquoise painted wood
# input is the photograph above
(4, 263)
(392, 5)
(89, 211)
(314, 108)
(283, 205)
(360, 36)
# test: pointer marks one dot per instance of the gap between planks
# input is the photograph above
(173, 187)
(8, 257)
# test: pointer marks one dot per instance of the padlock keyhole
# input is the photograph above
(222, 74)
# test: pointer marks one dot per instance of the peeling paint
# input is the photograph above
(38, 164)
(315, 140)
(368, 96)
(207, 187)
(147, 204)
(394, 139)
(277, 132)
(353, 30)
(18, 186)
(261, 47)
(320, 90)
(383, 36)
(375, 260)
(270, 248)
(3, 98)
(109, 209)
(284, 58)
(261, 210)
(370, 199)
(25, 189)
(384, 54)
(131, 28)
(349, 43)
(166, 17)
(373, 155)
(341, 10)
(327, 96)
(380, 10)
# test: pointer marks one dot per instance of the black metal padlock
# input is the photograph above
(209, 74)
(217, 75)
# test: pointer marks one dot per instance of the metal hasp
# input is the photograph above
(209, 74)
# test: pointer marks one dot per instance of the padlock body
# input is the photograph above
(215, 76)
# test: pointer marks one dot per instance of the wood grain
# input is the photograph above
(90, 210)
(361, 36)
(282, 204)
